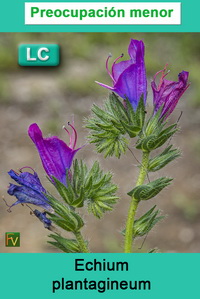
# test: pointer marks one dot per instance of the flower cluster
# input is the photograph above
(29, 190)
(56, 157)
(130, 82)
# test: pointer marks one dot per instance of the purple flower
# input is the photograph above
(168, 93)
(129, 76)
(29, 190)
(56, 156)
(42, 217)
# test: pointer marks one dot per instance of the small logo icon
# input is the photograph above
(12, 239)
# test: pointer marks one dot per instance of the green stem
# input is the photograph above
(81, 242)
(134, 205)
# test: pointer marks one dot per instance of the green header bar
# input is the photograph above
(12, 19)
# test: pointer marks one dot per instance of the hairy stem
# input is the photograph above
(81, 242)
(134, 205)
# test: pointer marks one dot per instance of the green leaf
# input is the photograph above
(111, 125)
(71, 222)
(154, 124)
(116, 105)
(91, 186)
(164, 136)
(154, 250)
(163, 159)
(140, 113)
(147, 144)
(141, 229)
(66, 224)
(130, 112)
(64, 216)
(78, 203)
(145, 192)
(133, 131)
(66, 245)
(145, 223)
(59, 246)
(65, 192)
(59, 208)
(158, 137)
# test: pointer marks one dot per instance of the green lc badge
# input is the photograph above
(39, 55)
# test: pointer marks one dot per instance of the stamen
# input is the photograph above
(66, 130)
(75, 134)
(156, 74)
(70, 137)
(109, 73)
(9, 210)
(15, 171)
(72, 122)
(162, 76)
(122, 55)
(28, 167)
(30, 208)
(70, 174)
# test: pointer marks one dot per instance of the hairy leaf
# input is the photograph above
(66, 245)
(111, 125)
(163, 159)
(145, 192)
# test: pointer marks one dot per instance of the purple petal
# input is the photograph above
(132, 84)
(136, 53)
(129, 76)
(119, 68)
(136, 50)
(168, 93)
(55, 155)
(42, 217)
(28, 195)
(27, 179)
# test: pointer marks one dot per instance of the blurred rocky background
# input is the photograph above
(50, 96)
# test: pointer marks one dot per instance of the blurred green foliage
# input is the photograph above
(83, 57)
(187, 205)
